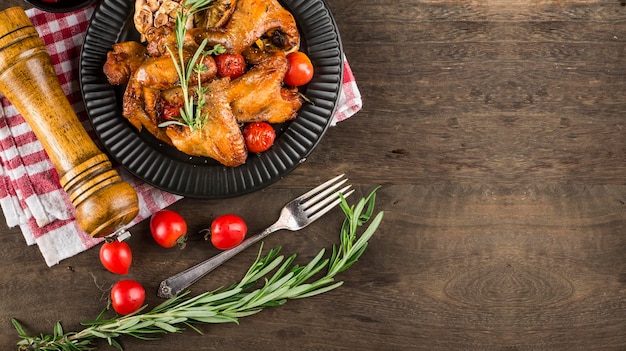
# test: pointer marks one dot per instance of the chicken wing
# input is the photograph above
(123, 60)
(143, 98)
(259, 95)
(250, 21)
(221, 138)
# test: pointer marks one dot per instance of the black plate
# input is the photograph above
(167, 168)
(60, 6)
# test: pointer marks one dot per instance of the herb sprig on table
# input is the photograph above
(270, 281)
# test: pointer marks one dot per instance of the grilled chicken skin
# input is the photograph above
(123, 60)
(143, 103)
(259, 95)
(250, 21)
(220, 138)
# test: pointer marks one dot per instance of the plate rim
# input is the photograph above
(59, 7)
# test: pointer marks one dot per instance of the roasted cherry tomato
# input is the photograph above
(127, 296)
(230, 65)
(300, 69)
(259, 136)
(116, 256)
(170, 111)
(228, 231)
(168, 228)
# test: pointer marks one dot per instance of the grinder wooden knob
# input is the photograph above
(104, 203)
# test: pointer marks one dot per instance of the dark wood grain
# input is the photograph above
(497, 131)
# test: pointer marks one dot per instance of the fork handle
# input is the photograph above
(175, 284)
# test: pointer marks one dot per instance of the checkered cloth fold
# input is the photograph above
(31, 196)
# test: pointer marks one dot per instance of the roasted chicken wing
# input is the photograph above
(143, 98)
(221, 138)
(250, 21)
(259, 95)
(123, 60)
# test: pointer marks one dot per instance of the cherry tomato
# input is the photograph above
(170, 111)
(300, 69)
(259, 136)
(228, 231)
(116, 256)
(230, 65)
(127, 296)
(168, 228)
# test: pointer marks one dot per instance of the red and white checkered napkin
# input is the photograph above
(30, 194)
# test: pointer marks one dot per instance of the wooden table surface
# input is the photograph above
(497, 131)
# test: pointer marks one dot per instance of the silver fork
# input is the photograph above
(295, 215)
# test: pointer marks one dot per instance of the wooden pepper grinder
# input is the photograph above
(104, 203)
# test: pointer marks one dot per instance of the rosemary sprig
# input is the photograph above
(280, 280)
(190, 113)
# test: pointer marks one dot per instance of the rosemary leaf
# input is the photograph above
(196, 313)
(319, 291)
(166, 327)
(216, 319)
(311, 269)
(18, 326)
(99, 334)
(210, 297)
(266, 269)
(179, 320)
(281, 271)
(113, 343)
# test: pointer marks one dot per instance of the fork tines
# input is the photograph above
(324, 197)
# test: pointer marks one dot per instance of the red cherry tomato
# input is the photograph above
(300, 69)
(168, 228)
(127, 296)
(228, 231)
(259, 136)
(170, 111)
(116, 256)
(230, 65)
